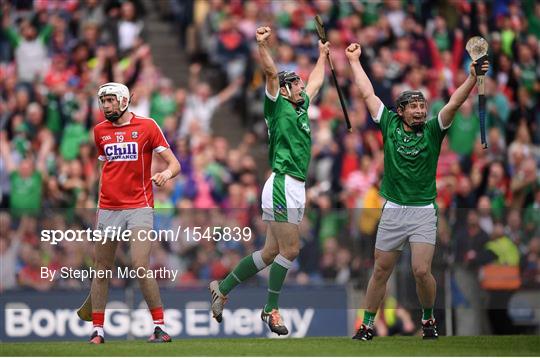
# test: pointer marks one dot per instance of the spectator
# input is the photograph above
(468, 243)
(26, 183)
(9, 250)
(30, 48)
(130, 27)
(500, 250)
(201, 105)
(523, 112)
(531, 264)
(524, 184)
(497, 106)
(30, 273)
(163, 102)
(514, 230)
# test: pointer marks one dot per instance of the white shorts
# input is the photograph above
(283, 199)
(401, 223)
(125, 219)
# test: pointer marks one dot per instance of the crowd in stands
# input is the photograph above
(55, 54)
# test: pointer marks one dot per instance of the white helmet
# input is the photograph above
(117, 89)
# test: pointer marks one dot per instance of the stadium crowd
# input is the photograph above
(55, 54)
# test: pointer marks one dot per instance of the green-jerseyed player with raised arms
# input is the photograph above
(283, 198)
(411, 152)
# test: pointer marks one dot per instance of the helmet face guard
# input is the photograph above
(286, 79)
(408, 97)
(121, 92)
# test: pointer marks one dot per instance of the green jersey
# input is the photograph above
(289, 136)
(410, 160)
(26, 193)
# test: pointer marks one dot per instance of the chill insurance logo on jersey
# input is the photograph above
(125, 151)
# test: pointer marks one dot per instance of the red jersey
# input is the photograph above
(126, 151)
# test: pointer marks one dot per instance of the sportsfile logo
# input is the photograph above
(127, 151)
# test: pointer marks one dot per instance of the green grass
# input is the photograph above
(323, 346)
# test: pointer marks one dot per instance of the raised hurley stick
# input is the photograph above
(477, 48)
(322, 36)
(85, 311)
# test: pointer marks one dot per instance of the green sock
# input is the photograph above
(246, 268)
(427, 313)
(369, 318)
(278, 272)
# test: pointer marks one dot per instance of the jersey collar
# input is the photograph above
(127, 123)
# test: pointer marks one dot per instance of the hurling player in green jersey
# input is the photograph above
(283, 197)
(411, 150)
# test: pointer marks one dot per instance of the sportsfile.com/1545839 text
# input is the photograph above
(112, 233)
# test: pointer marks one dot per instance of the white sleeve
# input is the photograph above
(441, 125)
(377, 119)
(272, 98)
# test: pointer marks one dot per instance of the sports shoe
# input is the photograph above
(429, 329)
(218, 301)
(96, 338)
(275, 323)
(364, 333)
(159, 336)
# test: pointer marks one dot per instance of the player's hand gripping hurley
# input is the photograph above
(322, 36)
(477, 48)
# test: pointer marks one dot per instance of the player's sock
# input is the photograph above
(369, 319)
(427, 314)
(157, 317)
(98, 319)
(278, 272)
(246, 268)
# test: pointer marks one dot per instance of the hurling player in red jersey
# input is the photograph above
(125, 145)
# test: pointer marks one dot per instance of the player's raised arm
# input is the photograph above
(316, 77)
(267, 63)
(447, 113)
(373, 102)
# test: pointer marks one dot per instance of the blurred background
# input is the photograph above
(192, 66)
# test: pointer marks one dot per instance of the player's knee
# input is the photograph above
(103, 266)
(381, 273)
(291, 252)
(268, 254)
(140, 265)
(421, 272)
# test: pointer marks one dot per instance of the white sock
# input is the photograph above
(100, 331)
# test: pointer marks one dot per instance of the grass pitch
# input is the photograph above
(323, 346)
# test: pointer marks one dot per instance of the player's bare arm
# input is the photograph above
(173, 168)
(460, 95)
(267, 63)
(316, 77)
(373, 102)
